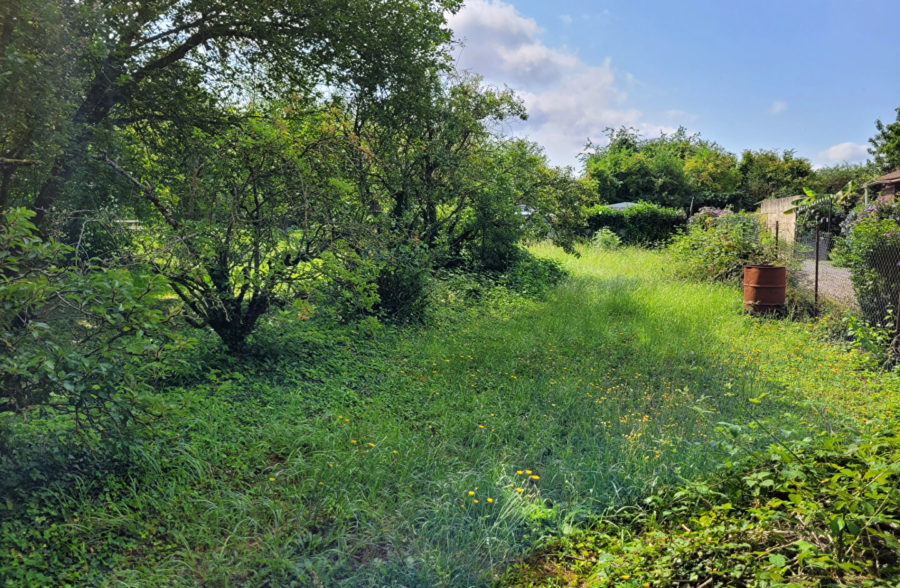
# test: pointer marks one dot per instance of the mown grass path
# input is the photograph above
(436, 457)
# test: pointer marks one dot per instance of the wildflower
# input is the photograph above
(535, 477)
(519, 490)
(528, 472)
(471, 493)
(475, 501)
(271, 479)
(371, 445)
(490, 500)
(394, 452)
(353, 441)
(518, 472)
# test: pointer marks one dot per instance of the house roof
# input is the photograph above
(622, 205)
(891, 178)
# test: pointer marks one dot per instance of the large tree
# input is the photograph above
(886, 144)
(770, 174)
(126, 51)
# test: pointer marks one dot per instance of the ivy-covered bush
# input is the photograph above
(642, 224)
(719, 243)
(871, 249)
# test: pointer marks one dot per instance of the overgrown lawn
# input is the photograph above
(435, 456)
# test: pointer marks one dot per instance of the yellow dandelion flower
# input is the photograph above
(519, 472)
(371, 445)
(471, 493)
(271, 479)
(353, 441)
(535, 477)
(520, 490)
(490, 500)
(475, 501)
(528, 472)
(394, 452)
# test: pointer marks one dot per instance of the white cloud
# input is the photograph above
(502, 45)
(778, 107)
(568, 100)
(848, 151)
(565, 19)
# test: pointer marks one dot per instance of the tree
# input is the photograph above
(770, 174)
(712, 170)
(836, 177)
(245, 218)
(126, 51)
(631, 169)
(886, 144)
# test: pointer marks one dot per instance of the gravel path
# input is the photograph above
(834, 282)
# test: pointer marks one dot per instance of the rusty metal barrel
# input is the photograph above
(764, 287)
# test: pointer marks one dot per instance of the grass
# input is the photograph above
(372, 456)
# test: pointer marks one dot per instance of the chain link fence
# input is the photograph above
(869, 285)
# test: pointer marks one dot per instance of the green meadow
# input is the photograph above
(439, 455)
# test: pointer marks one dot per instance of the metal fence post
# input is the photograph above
(816, 291)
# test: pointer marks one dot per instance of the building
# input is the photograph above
(887, 184)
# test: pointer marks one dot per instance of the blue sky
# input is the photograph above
(805, 75)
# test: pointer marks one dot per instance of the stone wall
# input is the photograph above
(773, 210)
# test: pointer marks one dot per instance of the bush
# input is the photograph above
(641, 224)
(871, 249)
(718, 244)
(404, 281)
(605, 239)
(83, 342)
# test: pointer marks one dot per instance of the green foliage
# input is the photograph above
(770, 174)
(244, 218)
(227, 490)
(886, 144)
(631, 169)
(835, 178)
(718, 244)
(606, 239)
(87, 342)
(404, 281)
(871, 249)
(642, 224)
(807, 512)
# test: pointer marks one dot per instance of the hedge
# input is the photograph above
(642, 224)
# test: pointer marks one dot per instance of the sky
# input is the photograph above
(812, 76)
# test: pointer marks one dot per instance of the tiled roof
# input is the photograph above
(890, 178)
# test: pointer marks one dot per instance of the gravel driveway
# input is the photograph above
(834, 282)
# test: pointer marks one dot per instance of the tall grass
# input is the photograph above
(433, 457)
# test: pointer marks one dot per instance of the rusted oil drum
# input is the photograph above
(764, 287)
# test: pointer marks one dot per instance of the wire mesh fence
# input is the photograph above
(867, 282)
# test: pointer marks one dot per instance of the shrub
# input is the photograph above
(404, 281)
(871, 249)
(606, 239)
(718, 244)
(641, 224)
(86, 342)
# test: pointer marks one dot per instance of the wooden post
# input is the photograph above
(776, 241)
